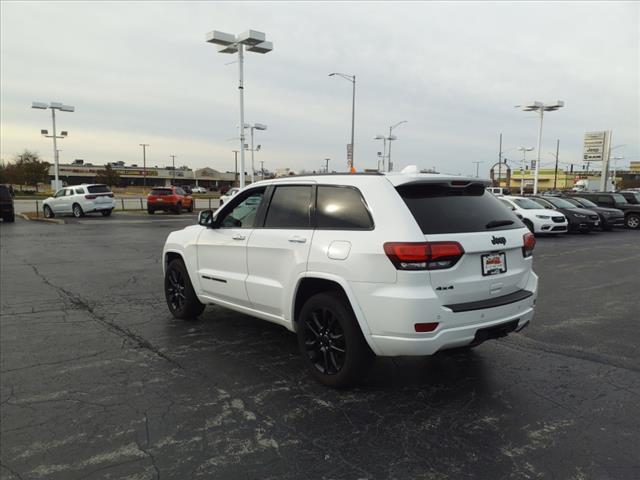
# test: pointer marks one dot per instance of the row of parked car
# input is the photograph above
(576, 212)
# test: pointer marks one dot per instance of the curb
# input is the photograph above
(42, 219)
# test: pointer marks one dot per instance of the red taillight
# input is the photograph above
(90, 197)
(529, 243)
(425, 327)
(423, 255)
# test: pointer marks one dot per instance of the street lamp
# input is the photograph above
(255, 126)
(524, 151)
(63, 108)
(352, 79)
(254, 42)
(144, 165)
(384, 139)
(389, 163)
(541, 108)
(615, 164)
(173, 172)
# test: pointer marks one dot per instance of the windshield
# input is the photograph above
(560, 202)
(584, 202)
(526, 204)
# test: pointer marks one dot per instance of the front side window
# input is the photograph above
(243, 215)
(59, 193)
(341, 208)
(290, 207)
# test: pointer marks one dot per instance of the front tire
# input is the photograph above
(182, 300)
(48, 213)
(190, 209)
(9, 218)
(330, 341)
(178, 209)
(77, 211)
(632, 221)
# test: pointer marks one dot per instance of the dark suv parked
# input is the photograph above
(580, 219)
(615, 200)
(609, 217)
(6, 204)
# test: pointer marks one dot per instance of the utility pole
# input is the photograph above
(173, 158)
(555, 175)
(235, 178)
(262, 169)
(327, 167)
(500, 162)
(478, 169)
(144, 165)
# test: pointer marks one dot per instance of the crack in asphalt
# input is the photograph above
(80, 303)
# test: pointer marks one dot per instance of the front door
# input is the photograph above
(222, 251)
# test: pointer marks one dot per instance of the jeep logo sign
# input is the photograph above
(498, 240)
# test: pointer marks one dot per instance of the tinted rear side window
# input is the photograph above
(342, 208)
(439, 208)
(161, 191)
(290, 207)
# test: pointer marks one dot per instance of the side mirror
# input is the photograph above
(205, 218)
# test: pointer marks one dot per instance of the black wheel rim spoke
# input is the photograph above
(176, 290)
(324, 341)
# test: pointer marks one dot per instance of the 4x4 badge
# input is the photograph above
(498, 240)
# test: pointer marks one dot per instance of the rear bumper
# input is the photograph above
(391, 312)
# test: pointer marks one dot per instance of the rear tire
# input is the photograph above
(106, 213)
(330, 341)
(48, 213)
(150, 211)
(77, 211)
(632, 221)
(181, 299)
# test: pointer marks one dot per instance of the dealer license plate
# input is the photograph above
(494, 263)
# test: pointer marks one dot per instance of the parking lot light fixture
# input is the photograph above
(391, 128)
(524, 151)
(63, 108)
(144, 165)
(540, 107)
(255, 126)
(253, 41)
(352, 79)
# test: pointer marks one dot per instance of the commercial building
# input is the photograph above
(133, 175)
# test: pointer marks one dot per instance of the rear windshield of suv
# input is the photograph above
(98, 189)
(161, 191)
(439, 208)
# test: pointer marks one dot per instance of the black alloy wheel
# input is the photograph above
(331, 342)
(181, 299)
(324, 341)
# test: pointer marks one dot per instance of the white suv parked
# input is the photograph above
(79, 200)
(360, 265)
(537, 218)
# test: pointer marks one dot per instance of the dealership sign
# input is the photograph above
(594, 146)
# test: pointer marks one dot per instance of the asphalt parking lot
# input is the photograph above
(99, 381)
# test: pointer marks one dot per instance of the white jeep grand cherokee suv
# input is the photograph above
(79, 200)
(360, 265)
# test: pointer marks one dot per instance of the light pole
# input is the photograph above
(327, 166)
(144, 165)
(478, 168)
(254, 42)
(255, 126)
(235, 177)
(615, 164)
(63, 108)
(173, 173)
(541, 108)
(389, 163)
(384, 139)
(352, 79)
(524, 151)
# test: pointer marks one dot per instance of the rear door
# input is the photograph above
(277, 253)
(222, 252)
(490, 234)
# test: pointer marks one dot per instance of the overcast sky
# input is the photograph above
(141, 72)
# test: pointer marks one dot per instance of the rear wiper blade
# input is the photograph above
(498, 223)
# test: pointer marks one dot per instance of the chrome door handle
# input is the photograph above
(238, 236)
(297, 239)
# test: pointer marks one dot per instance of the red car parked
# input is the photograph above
(169, 199)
